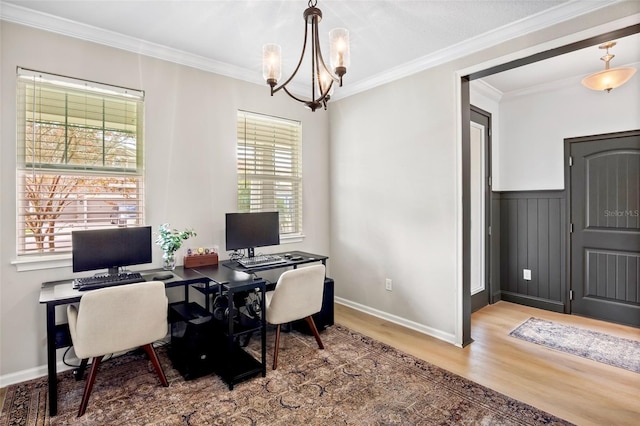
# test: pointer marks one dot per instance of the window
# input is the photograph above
(80, 159)
(270, 168)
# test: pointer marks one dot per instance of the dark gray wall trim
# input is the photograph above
(592, 41)
(507, 195)
(495, 248)
(533, 236)
(534, 302)
(466, 212)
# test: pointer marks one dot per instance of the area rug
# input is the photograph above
(601, 347)
(354, 381)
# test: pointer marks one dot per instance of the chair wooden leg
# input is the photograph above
(156, 364)
(314, 330)
(88, 387)
(275, 351)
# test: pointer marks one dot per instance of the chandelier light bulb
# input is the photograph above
(339, 53)
(325, 81)
(271, 63)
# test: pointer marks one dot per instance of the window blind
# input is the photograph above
(270, 168)
(80, 159)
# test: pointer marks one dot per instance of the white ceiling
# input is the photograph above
(389, 38)
(572, 66)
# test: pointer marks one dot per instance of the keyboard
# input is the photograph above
(249, 262)
(100, 281)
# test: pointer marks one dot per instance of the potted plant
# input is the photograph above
(170, 240)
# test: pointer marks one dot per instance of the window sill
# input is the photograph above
(35, 263)
(289, 239)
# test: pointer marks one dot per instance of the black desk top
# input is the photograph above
(230, 278)
(304, 258)
(62, 292)
(232, 275)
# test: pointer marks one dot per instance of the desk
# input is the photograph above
(322, 319)
(55, 293)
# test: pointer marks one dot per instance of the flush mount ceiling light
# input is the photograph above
(322, 80)
(610, 78)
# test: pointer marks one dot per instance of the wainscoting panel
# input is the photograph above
(533, 237)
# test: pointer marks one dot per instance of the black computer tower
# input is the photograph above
(192, 339)
(324, 318)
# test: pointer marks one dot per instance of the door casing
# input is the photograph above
(483, 298)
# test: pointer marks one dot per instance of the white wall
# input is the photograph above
(534, 125)
(393, 213)
(190, 136)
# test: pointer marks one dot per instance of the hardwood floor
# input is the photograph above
(576, 389)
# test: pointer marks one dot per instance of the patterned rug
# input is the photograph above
(616, 351)
(354, 381)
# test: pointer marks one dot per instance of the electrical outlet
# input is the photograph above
(388, 284)
(526, 274)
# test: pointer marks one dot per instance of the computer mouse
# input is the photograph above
(163, 277)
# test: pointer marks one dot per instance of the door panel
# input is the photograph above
(605, 244)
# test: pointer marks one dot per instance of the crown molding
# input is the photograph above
(24, 16)
(43, 21)
(539, 21)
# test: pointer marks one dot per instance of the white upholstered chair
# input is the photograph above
(298, 295)
(116, 319)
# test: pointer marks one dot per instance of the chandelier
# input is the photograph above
(610, 78)
(322, 80)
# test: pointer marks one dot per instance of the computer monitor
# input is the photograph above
(110, 248)
(251, 230)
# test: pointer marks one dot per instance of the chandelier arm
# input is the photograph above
(304, 48)
(292, 95)
(320, 62)
(324, 65)
(314, 57)
(306, 101)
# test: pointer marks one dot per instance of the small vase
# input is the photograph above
(169, 261)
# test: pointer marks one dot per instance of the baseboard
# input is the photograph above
(438, 334)
(42, 371)
(29, 374)
(534, 302)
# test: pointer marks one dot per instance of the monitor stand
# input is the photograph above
(250, 252)
(114, 271)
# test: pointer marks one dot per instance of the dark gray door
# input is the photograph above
(605, 213)
(480, 172)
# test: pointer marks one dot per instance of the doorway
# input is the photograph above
(604, 199)
(465, 298)
(480, 189)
